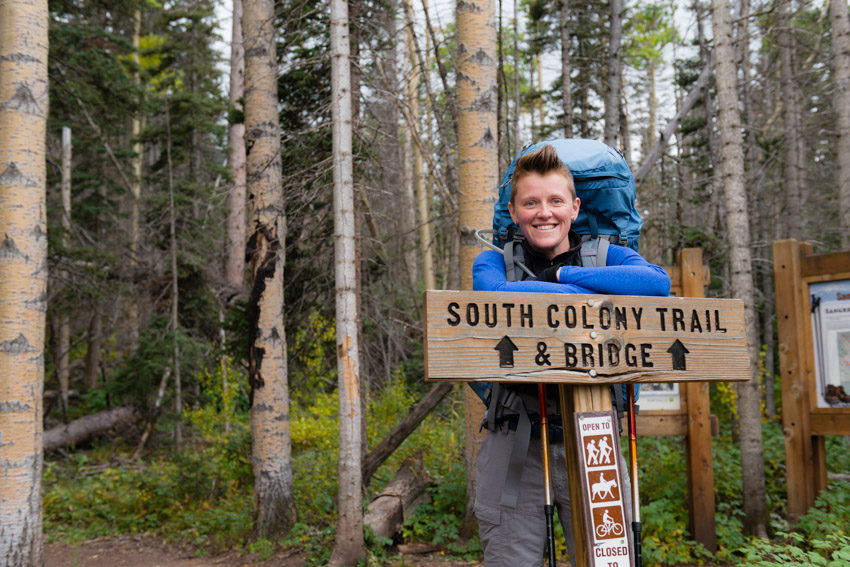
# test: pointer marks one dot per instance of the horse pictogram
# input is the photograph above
(599, 489)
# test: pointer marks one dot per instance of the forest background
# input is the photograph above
(152, 308)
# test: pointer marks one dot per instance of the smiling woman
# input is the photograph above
(543, 201)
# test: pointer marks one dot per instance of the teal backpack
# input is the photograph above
(604, 184)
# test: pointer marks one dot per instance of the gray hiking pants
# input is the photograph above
(516, 537)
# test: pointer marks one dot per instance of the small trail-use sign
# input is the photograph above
(609, 536)
(583, 339)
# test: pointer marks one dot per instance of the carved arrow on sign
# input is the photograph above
(506, 348)
(678, 351)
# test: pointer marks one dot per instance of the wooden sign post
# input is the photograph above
(585, 343)
(805, 422)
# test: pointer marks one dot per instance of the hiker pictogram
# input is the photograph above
(599, 451)
(605, 452)
(592, 453)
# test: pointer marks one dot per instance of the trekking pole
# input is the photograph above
(634, 474)
(548, 507)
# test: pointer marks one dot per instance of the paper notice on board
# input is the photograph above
(831, 337)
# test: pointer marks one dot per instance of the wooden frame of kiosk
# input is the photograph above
(806, 420)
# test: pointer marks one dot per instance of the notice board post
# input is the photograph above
(811, 351)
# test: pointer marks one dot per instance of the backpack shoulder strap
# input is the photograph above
(594, 252)
(514, 257)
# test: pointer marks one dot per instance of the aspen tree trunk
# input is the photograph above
(426, 225)
(653, 107)
(92, 350)
(793, 203)
(234, 251)
(410, 207)
(584, 96)
(566, 69)
(271, 445)
(738, 233)
(502, 107)
(349, 546)
(359, 200)
(135, 192)
(538, 100)
(63, 340)
(532, 102)
(713, 216)
(518, 143)
(477, 171)
(762, 277)
(623, 114)
(400, 151)
(175, 291)
(612, 93)
(840, 20)
(23, 275)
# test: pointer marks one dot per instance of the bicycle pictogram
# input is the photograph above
(608, 526)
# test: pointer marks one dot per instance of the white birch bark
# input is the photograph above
(426, 223)
(23, 275)
(274, 503)
(234, 253)
(740, 257)
(349, 547)
(518, 143)
(612, 94)
(478, 167)
(64, 336)
(790, 119)
(135, 190)
(838, 15)
(566, 68)
(175, 292)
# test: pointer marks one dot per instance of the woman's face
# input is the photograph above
(544, 209)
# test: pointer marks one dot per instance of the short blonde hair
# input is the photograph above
(542, 162)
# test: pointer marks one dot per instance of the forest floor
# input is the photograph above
(149, 551)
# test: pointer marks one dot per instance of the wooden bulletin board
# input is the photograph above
(798, 272)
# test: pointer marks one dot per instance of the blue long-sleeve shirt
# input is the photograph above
(625, 273)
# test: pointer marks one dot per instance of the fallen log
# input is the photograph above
(389, 509)
(84, 428)
(400, 432)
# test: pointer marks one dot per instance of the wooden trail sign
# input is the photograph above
(583, 339)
